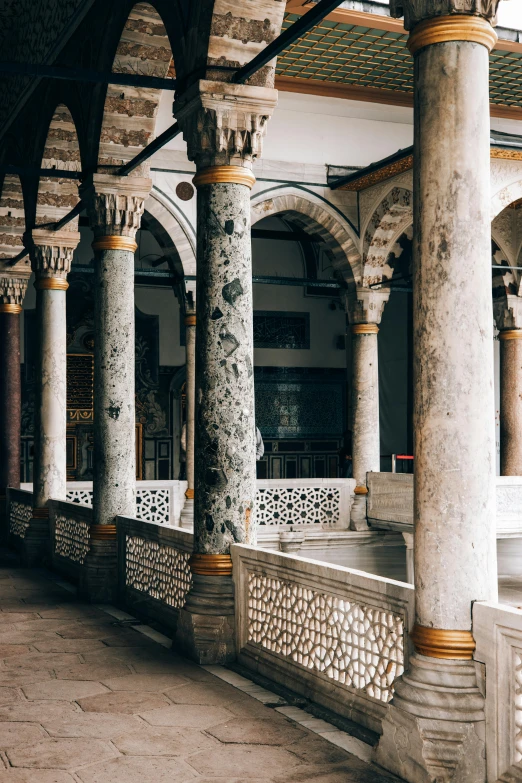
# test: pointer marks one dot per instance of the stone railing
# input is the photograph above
(390, 503)
(320, 629)
(70, 525)
(153, 572)
(311, 502)
(20, 511)
(498, 634)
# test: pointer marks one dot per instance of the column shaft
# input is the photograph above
(455, 562)
(225, 469)
(10, 397)
(114, 404)
(50, 460)
(187, 514)
(511, 402)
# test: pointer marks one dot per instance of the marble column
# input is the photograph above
(435, 730)
(224, 145)
(51, 258)
(115, 206)
(12, 292)
(510, 402)
(365, 309)
(187, 513)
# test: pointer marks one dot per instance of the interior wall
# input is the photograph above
(393, 375)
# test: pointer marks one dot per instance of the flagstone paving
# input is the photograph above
(85, 698)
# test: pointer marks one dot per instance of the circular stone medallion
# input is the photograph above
(184, 191)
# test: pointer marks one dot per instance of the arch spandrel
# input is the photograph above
(318, 217)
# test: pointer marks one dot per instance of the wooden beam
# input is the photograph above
(352, 92)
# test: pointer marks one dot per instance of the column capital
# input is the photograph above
(223, 123)
(507, 312)
(415, 11)
(115, 204)
(365, 306)
(52, 252)
(12, 292)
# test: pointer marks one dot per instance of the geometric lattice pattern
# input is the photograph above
(354, 645)
(160, 571)
(81, 496)
(298, 506)
(369, 57)
(71, 538)
(517, 654)
(19, 517)
(152, 505)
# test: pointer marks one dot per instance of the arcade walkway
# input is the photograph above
(86, 697)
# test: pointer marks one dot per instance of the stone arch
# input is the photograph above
(173, 232)
(130, 113)
(56, 197)
(506, 197)
(390, 219)
(315, 216)
(12, 218)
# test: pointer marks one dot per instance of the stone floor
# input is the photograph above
(85, 697)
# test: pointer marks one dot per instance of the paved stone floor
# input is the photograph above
(85, 697)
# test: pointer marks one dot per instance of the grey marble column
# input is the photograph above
(51, 257)
(224, 142)
(187, 513)
(365, 309)
(115, 206)
(434, 730)
(511, 402)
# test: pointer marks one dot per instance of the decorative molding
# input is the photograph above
(459, 27)
(510, 334)
(417, 11)
(365, 307)
(115, 204)
(52, 252)
(211, 565)
(237, 175)
(115, 243)
(51, 284)
(442, 643)
(365, 329)
(224, 122)
(507, 312)
(374, 177)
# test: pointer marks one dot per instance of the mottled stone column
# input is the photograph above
(434, 730)
(224, 144)
(511, 402)
(187, 514)
(115, 206)
(12, 292)
(51, 258)
(364, 312)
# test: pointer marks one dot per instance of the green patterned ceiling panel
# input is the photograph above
(367, 57)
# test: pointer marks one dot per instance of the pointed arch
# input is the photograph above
(389, 221)
(317, 216)
(130, 113)
(12, 217)
(56, 197)
(173, 232)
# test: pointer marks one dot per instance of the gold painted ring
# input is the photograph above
(365, 329)
(115, 243)
(458, 27)
(51, 284)
(236, 175)
(211, 565)
(8, 307)
(441, 643)
(510, 334)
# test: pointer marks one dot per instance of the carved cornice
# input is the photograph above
(224, 123)
(115, 204)
(52, 252)
(366, 306)
(415, 11)
(12, 290)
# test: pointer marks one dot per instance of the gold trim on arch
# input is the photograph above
(458, 27)
(237, 175)
(115, 243)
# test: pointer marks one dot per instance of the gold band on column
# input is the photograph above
(211, 565)
(40, 513)
(510, 334)
(458, 27)
(190, 320)
(115, 243)
(360, 491)
(237, 175)
(440, 643)
(365, 329)
(7, 307)
(102, 532)
(189, 494)
(51, 284)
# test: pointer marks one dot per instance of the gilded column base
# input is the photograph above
(434, 729)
